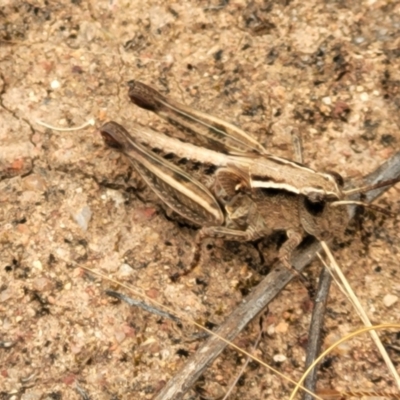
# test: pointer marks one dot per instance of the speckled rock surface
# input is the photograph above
(330, 70)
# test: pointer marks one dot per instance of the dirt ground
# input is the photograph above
(330, 70)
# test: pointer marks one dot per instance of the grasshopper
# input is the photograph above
(253, 193)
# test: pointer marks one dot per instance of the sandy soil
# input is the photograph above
(330, 70)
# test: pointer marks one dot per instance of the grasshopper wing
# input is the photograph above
(183, 194)
(210, 131)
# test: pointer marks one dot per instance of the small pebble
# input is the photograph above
(116, 196)
(37, 265)
(327, 100)
(83, 217)
(271, 330)
(168, 61)
(279, 358)
(5, 295)
(125, 270)
(55, 84)
(7, 345)
(359, 40)
(282, 327)
(42, 284)
(152, 293)
(364, 96)
(389, 300)
(34, 182)
(119, 336)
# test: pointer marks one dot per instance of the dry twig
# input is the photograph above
(315, 331)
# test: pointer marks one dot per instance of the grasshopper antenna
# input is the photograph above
(364, 189)
(373, 207)
(368, 188)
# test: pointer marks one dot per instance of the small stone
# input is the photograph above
(82, 217)
(152, 293)
(7, 345)
(364, 96)
(359, 40)
(279, 358)
(271, 330)
(37, 265)
(119, 336)
(129, 331)
(389, 300)
(35, 183)
(5, 295)
(149, 341)
(282, 327)
(327, 100)
(55, 84)
(125, 270)
(168, 61)
(42, 284)
(144, 214)
(153, 237)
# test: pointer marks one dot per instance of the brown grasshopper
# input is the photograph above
(250, 197)
(253, 193)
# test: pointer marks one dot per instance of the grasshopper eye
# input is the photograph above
(314, 208)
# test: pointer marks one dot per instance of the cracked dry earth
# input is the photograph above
(330, 70)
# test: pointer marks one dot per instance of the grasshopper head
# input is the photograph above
(322, 219)
(316, 194)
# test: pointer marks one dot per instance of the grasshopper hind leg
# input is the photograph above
(215, 232)
(195, 259)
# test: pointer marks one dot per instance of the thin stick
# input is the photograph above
(143, 306)
(297, 146)
(91, 122)
(315, 331)
(258, 299)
